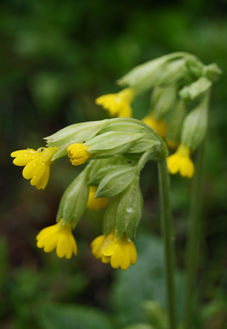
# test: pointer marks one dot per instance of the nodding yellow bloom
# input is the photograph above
(119, 252)
(78, 153)
(172, 144)
(58, 236)
(95, 203)
(180, 162)
(118, 103)
(158, 125)
(37, 164)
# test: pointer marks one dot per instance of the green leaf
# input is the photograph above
(115, 181)
(144, 281)
(56, 316)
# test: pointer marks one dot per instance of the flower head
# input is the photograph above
(78, 153)
(58, 236)
(181, 162)
(37, 164)
(95, 203)
(118, 251)
(158, 125)
(118, 103)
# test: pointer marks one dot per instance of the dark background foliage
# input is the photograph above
(56, 57)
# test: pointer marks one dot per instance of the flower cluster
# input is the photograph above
(115, 151)
(178, 82)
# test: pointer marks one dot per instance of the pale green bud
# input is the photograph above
(175, 121)
(156, 315)
(212, 72)
(76, 133)
(74, 199)
(196, 89)
(195, 125)
(124, 213)
(111, 143)
(195, 67)
(101, 167)
(163, 100)
(116, 181)
(161, 71)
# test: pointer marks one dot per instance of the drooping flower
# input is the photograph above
(118, 251)
(181, 162)
(58, 236)
(172, 144)
(158, 125)
(95, 203)
(37, 164)
(78, 153)
(118, 103)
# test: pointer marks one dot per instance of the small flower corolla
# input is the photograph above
(158, 125)
(118, 103)
(78, 153)
(58, 236)
(95, 203)
(37, 164)
(181, 162)
(120, 252)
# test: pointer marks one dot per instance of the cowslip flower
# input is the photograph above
(37, 164)
(118, 103)
(58, 236)
(95, 203)
(158, 125)
(78, 153)
(181, 162)
(118, 251)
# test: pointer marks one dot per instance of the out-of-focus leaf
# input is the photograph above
(56, 316)
(144, 281)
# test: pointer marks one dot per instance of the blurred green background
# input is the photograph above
(56, 57)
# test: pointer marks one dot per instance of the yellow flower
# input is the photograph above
(118, 103)
(37, 164)
(171, 144)
(95, 203)
(118, 251)
(158, 125)
(58, 236)
(78, 153)
(180, 161)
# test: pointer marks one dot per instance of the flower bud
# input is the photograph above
(195, 125)
(78, 154)
(175, 122)
(196, 89)
(163, 100)
(74, 199)
(212, 72)
(124, 213)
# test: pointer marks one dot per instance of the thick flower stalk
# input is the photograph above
(59, 237)
(117, 104)
(120, 252)
(36, 164)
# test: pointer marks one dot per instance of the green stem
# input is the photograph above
(168, 235)
(194, 237)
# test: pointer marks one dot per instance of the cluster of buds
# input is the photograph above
(179, 84)
(115, 151)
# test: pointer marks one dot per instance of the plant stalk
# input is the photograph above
(168, 235)
(194, 237)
